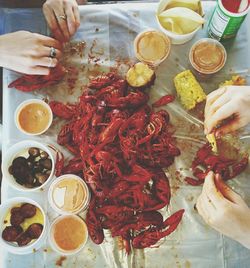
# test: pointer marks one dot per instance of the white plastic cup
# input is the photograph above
(53, 243)
(31, 101)
(85, 202)
(13, 152)
(152, 63)
(12, 247)
(178, 39)
(212, 42)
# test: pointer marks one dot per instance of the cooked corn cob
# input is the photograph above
(188, 89)
(236, 80)
(211, 139)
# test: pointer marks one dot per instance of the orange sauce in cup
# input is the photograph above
(34, 118)
(70, 233)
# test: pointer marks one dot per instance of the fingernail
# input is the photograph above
(217, 134)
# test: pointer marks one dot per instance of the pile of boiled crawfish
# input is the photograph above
(120, 146)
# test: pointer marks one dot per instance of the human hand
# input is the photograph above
(224, 210)
(28, 53)
(225, 102)
(62, 17)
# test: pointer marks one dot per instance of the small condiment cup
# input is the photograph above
(17, 150)
(206, 44)
(56, 195)
(11, 246)
(178, 39)
(21, 108)
(66, 232)
(152, 41)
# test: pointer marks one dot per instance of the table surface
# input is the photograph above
(202, 247)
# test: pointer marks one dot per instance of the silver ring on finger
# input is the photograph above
(63, 17)
(51, 62)
(52, 52)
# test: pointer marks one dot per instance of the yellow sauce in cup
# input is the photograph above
(69, 233)
(34, 118)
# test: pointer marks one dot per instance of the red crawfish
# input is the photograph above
(64, 111)
(151, 236)
(163, 101)
(205, 161)
(29, 83)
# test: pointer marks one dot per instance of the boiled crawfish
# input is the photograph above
(120, 146)
(206, 160)
(29, 83)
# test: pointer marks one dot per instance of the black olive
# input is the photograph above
(41, 177)
(10, 233)
(28, 210)
(33, 151)
(44, 155)
(16, 218)
(34, 230)
(30, 164)
(46, 163)
(23, 239)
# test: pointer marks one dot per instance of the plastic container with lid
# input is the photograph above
(207, 56)
(152, 47)
(69, 194)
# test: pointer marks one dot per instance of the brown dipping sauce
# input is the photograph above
(207, 57)
(69, 232)
(34, 118)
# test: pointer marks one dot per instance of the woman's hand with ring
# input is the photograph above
(62, 17)
(28, 53)
(224, 210)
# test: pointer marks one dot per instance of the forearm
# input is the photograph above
(3, 52)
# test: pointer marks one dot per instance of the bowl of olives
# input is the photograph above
(23, 226)
(28, 165)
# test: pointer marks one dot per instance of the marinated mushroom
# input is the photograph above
(10, 233)
(44, 155)
(33, 171)
(34, 152)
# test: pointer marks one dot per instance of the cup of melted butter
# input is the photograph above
(33, 117)
(68, 234)
(207, 56)
(152, 47)
(69, 194)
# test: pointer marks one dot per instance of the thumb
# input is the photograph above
(226, 191)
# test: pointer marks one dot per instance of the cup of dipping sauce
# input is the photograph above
(207, 56)
(33, 117)
(69, 194)
(68, 234)
(152, 47)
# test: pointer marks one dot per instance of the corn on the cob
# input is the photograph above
(236, 80)
(188, 89)
(211, 139)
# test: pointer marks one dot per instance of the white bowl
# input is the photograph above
(177, 39)
(53, 243)
(14, 248)
(61, 211)
(25, 103)
(12, 153)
